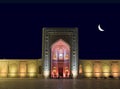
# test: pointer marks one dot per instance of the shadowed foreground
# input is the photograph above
(59, 84)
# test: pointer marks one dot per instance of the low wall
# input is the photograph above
(19, 68)
(99, 68)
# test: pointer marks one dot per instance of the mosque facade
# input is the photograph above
(59, 60)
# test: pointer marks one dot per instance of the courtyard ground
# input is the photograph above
(59, 84)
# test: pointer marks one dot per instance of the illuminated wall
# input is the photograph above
(20, 68)
(23, 69)
(32, 69)
(80, 69)
(100, 68)
(106, 69)
(13, 69)
(97, 69)
(3, 69)
(88, 69)
(115, 69)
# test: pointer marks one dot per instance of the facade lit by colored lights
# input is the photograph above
(59, 60)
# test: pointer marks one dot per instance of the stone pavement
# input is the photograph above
(59, 84)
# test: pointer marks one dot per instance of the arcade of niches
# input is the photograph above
(59, 60)
(19, 68)
(99, 68)
(32, 68)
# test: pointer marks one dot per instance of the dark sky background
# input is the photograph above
(21, 28)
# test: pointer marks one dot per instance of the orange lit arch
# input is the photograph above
(60, 42)
(60, 59)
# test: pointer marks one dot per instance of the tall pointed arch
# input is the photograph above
(60, 59)
(60, 42)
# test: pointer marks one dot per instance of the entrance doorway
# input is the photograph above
(60, 71)
(60, 60)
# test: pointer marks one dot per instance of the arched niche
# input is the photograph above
(60, 59)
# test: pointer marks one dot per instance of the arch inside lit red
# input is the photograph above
(60, 59)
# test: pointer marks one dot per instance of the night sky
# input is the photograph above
(21, 28)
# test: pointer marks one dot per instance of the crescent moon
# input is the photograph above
(100, 28)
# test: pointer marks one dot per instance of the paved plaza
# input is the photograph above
(59, 84)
